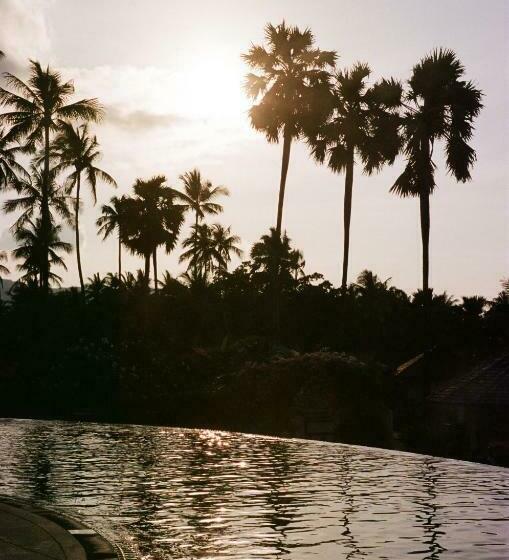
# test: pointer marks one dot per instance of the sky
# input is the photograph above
(170, 76)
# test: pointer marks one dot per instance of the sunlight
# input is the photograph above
(210, 88)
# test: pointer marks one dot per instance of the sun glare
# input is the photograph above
(210, 89)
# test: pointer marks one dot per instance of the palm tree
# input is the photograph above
(199, 195)
(75, 148)
(202, 252)
(112, 218)
(364, 122)
(10, 169)
(30, 199)
(37, 108)
(291, 85)
(296, 263)
(34, 243)
(152, 219)
(440, 105)
(225, 244)
(274, 259)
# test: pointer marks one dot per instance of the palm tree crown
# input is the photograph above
(113, 216)
(199, 195)
(152, 219)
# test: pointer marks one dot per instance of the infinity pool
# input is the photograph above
(173, 493)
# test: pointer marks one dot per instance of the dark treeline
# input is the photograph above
(148, 346)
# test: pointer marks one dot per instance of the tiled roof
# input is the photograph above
(486, 384)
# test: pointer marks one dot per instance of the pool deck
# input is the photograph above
(31, 535)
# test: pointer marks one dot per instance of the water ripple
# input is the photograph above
(202, 494)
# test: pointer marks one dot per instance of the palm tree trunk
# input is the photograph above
(147, 269)
(45, 218)
(425, 227)
(287, 143)
(347, 214)
(154, 262)
(119, 257)
(425, 222)
(77, 231)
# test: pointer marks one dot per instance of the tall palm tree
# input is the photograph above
(199, 195)
(37, 107)
(290, 86)
(440, 105)
(112, 218)
(75, 148)
(152, 219)
(10, 169)
(33, 244)
(364, 123)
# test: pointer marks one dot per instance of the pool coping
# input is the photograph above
(67, 537)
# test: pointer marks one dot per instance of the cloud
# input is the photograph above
(24, 33)
(141, 119)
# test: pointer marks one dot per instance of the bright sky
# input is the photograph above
(170, 76)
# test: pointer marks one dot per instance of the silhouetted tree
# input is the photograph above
(75, 148)
(364, 123)
(112, 218)
(152, 219)
(199, 195)
(37, 108)
(33, 243)
(291, 86)
(440, 105)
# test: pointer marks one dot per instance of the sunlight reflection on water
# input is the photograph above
(202, 494)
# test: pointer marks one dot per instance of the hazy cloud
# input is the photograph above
(24, 33)
(141, 119)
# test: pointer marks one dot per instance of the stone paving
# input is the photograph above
(27, 536)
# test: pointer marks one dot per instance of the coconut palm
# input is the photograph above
(202, 253)
(112, 218)
(10, 169)
(226, 245)
(75, 148)
(199, 195)
(273, 258)
(290, 85)
(30, 199)
(33, 243)
(37, 106)
(363, 125)
(440, 105)
(152, 219)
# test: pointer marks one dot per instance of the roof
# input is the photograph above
(485, 384)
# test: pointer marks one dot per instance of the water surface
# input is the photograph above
(179, 494)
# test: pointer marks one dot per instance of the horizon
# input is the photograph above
(169, 110)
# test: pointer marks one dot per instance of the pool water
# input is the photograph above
(174, 493)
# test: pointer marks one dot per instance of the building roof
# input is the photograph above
(485, 384)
